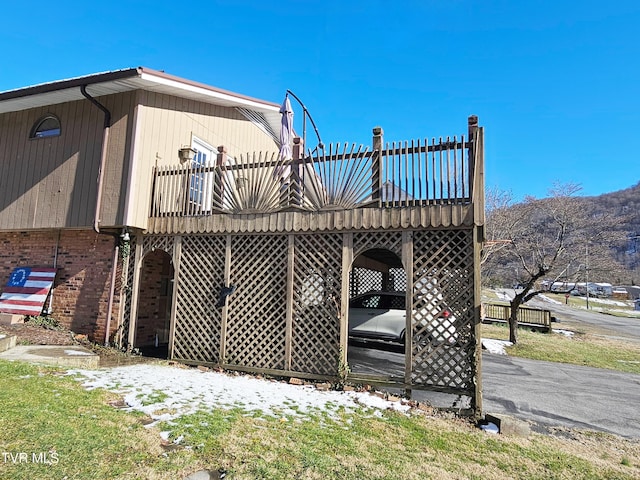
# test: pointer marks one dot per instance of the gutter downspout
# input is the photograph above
(103, 154)
(96, 218)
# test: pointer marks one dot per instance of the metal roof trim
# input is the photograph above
(106, 83)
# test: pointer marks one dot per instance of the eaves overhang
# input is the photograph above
(139, 78)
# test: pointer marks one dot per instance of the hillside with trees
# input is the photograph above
(609, 234)
(563, 238)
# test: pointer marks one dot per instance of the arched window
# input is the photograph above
(47, 126)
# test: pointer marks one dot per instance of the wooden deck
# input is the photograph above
(291, 236)
(432, 184)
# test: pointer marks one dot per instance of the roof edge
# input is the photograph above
(70, 83)
(128, 73)
(191, 83)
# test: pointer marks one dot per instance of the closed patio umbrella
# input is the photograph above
(286, 129)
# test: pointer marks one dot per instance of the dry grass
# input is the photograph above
(43, 410)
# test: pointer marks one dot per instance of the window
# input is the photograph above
(48, 126)
(202, 180)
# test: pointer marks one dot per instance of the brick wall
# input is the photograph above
(154, 300)
(81, 288)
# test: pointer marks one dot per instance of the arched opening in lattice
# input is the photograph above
(377, 312)
(153, 322)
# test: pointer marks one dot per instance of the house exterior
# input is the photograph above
(76, 164)
(173, 221)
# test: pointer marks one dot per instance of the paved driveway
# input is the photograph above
(544, 393)
(558, 394)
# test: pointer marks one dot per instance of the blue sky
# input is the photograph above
(556, 84)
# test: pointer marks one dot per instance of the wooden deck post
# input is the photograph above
(476, 183)
(473, 147)
(288, 338)
(135, 294)
(225, 309)
(376, 164)
(476, 401)
(347, 264)
(218, 190)
(295, 188)
(176, 259)
(407, 262)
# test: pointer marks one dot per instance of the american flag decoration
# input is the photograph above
(27, 290)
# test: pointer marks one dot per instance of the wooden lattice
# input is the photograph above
(256, 325)
(364, 241)
(363, 280)
(398, 279)
(443, 347)
(198, 320)
(157, 242)
(127, 295)
(317, 294)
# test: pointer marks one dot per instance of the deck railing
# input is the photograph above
(528, 317)
(400, 174)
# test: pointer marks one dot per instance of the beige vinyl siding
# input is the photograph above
(116, 174)
(39, 177)
(51, 182)
(167, 123)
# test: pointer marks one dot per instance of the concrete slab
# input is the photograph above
(509, 425)
(10, 319)
(7, 342)
(63, 355)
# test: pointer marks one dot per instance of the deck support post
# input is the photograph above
(376, 164)
(218, 189)
(295, 187)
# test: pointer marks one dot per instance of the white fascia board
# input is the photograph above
(224, 99)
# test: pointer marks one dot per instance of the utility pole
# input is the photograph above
(586, 272)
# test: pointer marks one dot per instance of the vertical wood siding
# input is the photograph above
(51, 182)
(167, 123)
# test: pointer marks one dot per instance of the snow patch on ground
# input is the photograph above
(550, 300)
(566, 333)
(503, 295)
(496, 346)
(168, 392)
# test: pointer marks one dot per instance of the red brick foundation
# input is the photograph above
(81, 288)
(154, 300)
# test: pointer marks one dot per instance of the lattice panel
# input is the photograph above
(398, 279)
(364, 241)
(157, 242)
(443, 342)
(363, 280)
(198, 321)
(316, 298)
(256, 324)
(127, 280)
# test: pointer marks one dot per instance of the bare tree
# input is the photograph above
(544, 239)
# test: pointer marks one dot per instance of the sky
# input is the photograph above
(555, 83)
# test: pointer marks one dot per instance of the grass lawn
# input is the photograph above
(49, 417)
